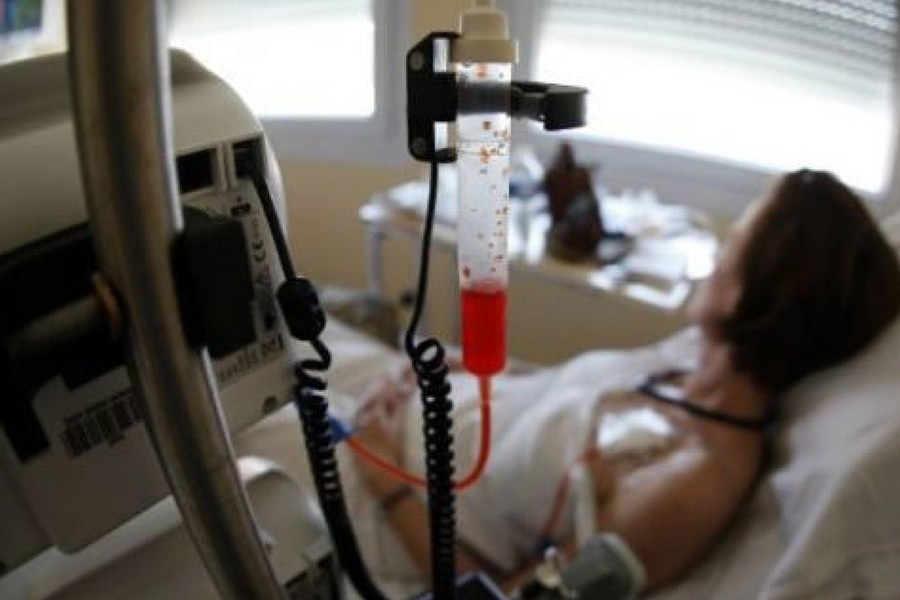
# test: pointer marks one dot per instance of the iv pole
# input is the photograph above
(119, 74)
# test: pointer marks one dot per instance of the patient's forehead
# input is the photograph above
(750, 213)
(741, 232)
(733, 246)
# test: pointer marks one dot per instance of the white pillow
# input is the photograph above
(837, 480)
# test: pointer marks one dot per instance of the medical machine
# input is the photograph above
(73, 431)
(150, 309)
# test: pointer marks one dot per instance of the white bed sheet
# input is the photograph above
(791, 540)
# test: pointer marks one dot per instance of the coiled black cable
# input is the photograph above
(309, 397)
(312, 406)
(431, 370)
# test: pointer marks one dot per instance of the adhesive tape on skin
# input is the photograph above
(634, 432)
(585, 516)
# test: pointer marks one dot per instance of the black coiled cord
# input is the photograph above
(311, 404)
(299, 305)
(427, 357)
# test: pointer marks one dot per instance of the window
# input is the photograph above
(286, 58)
(325, 76)
(30, 28)
(776, 84)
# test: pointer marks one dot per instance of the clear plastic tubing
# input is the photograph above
(483, 136)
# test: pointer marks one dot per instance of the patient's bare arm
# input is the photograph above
(409, 520)
(379, 428)
(671, 511)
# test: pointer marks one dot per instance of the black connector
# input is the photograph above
(556, 106)
(215, 283)
(300, 306)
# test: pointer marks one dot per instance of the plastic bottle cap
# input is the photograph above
(484, 36)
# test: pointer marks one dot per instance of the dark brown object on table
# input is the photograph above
(576, 224)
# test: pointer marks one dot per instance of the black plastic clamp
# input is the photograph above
(430, 98)
(556, 106)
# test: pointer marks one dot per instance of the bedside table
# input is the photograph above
(633, 301)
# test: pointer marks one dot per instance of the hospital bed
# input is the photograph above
(821, 523)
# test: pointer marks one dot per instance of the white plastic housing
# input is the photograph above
(67, 498)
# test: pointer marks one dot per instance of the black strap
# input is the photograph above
(649, 387)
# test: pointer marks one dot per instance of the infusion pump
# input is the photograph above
(80, 485)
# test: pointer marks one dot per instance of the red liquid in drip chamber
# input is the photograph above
(484, 331)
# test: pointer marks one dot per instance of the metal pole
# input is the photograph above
(119, 74)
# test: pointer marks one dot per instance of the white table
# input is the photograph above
(657, 277)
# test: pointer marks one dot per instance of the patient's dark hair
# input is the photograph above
(819, 282)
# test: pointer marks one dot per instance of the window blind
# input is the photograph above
(777, 84)
(846, 45)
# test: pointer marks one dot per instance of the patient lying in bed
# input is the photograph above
(805, 281)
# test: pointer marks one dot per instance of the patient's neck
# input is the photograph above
(717, 384)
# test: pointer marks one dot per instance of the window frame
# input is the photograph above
(376, 139)
(719, 186)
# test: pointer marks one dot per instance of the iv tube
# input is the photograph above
(483, 57)
(475, 471)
